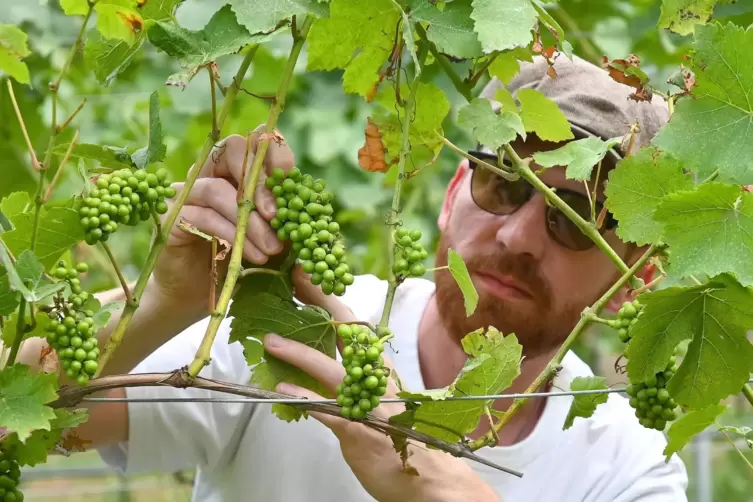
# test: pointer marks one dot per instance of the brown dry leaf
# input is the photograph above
(226, 246)
(627, 71)
(371, 154)
(48, 360)
(275, 136)
(71, 441)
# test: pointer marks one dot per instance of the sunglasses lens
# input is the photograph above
(565, 231)
(497, 195)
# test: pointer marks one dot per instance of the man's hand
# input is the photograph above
(183, 268)
(370, 454)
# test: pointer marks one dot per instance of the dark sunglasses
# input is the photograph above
(497, 195)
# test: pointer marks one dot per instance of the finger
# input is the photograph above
(310, 294)
(317, 364)
(332, 422)
(212, 223)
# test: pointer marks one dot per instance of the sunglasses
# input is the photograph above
(497, 195)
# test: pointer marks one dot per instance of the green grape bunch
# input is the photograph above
(10, 474)
(654, 407)
(71, 330)
(410, 254)
(124, 197)
(627, 316)
(305, 218)
(366, 376)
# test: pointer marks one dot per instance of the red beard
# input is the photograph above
(535, 323)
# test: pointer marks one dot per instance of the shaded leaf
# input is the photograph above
(22, 400)
(9, 297)
(11, 325)
(683, 430)
(460, 273)
(264, 15)
(580, 156)
(490, 129)
(108, 156)
(108, 57)
(449, 29)
(584, 405)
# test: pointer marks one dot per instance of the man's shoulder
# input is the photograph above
(366, 296)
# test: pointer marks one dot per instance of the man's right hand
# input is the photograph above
(183, 268)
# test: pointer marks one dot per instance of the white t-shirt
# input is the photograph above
(242, 452)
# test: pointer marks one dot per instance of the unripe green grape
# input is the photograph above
(417, 269)
(316, 279)
(161, 207)
(347, 279)
(339, 289)
(282, 234)
(327, 286)
(328, 275)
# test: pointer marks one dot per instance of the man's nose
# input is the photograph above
(524, 231)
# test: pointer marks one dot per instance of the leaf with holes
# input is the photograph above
(584, 405)
(683, 430)
(543, 117)
(580, 156)
(716, 317)
(682, 16)
(503, 24)
(256, 315)
(490, 129)
(23, 397)
(460, 273)
(710, 231)
(635, 189)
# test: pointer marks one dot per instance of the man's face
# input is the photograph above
(528, 284)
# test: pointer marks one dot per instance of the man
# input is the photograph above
(534, 273)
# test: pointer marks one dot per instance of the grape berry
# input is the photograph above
(366, 376)
(410, 254)
(627, 316)
(126, 196)
(71, 329)
(304, 217)
(10, 473)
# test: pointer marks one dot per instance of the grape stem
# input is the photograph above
(245, 205)
(62, 127)
(748, 393)
(736, 448)
(161, 238)
(59, 171)
(123, 283)
(19, 116)
(20, 327)
(461, 87)
(554, 364)
(435, 269)
(215, 130)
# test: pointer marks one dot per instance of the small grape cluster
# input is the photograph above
(71, 329)
(10, 473)
(653, 405)
(366, 376)
(126, 196)
(627, 316)
(410, 254)
(304, 217)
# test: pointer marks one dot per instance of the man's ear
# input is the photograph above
(646, 273)
(451, 194)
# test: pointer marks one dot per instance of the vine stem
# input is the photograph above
(161, 238)
(59, 171)
(444, 64)
(20, 326)
(245, 204)
(748, 393)
(215, 129)
(554, 364)
(736, 448)
(121, 279)
(70, 118)
(19, 116)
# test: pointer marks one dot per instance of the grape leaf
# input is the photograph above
(9, 297)
(102, 314)
(584, 405)
(39, 331)
(716, 317)
(108, 57)
(59, 229)
(506, 64)
(746, 433)
(505, 99)
(499, 367)
(710, 230)
(363, 29)
(460, 273)
(490, 129)
(713, 128)
(264, 15)
(193, 49)
(155, 151)
(580, 156)
(450, 29)
(543, 117)
(257, 314)
(29, 269)
(694, 422)
(503, 24)
(681, 16)
(13, 48)
(22, 400)
(14, 204)
(636, 187)
(34, 451)
(159, 10)
(108, 156)
(116, 19)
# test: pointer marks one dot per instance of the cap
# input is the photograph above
(593, 103)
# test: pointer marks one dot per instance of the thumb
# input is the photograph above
(313, 295)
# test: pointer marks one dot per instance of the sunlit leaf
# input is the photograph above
(683, 430)
(13, 49)
(460, 273)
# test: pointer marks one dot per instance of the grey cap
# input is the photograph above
(591, 100)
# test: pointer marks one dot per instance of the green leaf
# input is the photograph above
(580, 156)
(500, 365)
(11, 325)
(260, 16)
(684, 429)
(713, 128)
(506, 64)
(490, 129)
(9, 297)
(504, 98)
(29, 269)
(450, 29)
(636, 187)
(59, 230)
(363, 29)
(156, 149)
(503, 24)
(715, 317)
(75, 7)
(15, 204)
(584, 405)
(460, 273)
(221, 36)
(709, 231)
(37, 446)
(745, 433)
(681, 16)
(102, 314)
(159, 10)
(107, 156)
(108, 57)
(257, 314)
(13, 48)
(22, 400)
(543, 117)
(118, 19)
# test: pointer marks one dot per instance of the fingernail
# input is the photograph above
(273, 243)
(273, 340)
(270, 207)
(284, 388)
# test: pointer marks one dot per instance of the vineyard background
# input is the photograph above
(325, 129)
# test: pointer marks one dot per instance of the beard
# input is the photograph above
(538, 325)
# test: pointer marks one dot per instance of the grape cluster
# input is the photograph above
(71, 328)
(410, 254)
(653, 405)
(304, 217)
(365, 380)
(126, 196)
(10, 473)
(627, 316)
